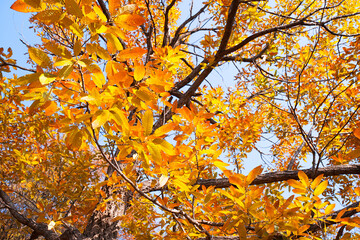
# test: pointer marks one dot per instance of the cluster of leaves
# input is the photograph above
(115, 130)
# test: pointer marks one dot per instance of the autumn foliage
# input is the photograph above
(125, 123)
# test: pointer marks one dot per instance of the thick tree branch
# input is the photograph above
(272, 177)
(166, 23)
(228, 27)
(38, 228)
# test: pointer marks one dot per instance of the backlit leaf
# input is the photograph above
(129, 21)
(131, 53)
(253, 174)
(39, 57)
(139, 72)
(101, 119)
(22, 6)
(321, 188)
(163, 180)
(147, 122)
(303, 178)
(73, 8)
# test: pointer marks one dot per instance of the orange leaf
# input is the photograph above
(113, 6)
(357, 133)
(131, 53)
(129, 21)
(21, 6)
(164, 129)
(253, 174)
(50, 108)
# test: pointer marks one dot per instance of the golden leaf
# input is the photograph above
(39, 57)
(253, 174)
(73, 8)
(129, 21)
(22, 6)
(147, 122)
(131, 53)
(321, 188)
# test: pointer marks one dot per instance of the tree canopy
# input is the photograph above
(125, 124)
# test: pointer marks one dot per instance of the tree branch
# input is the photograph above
(270, 177)
(38, 228)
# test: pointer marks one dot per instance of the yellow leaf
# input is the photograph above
(64, 62)
(353, 154)
(50, 16)
(154, 151)
(165, 146)
(253, 174)
(220, 164)
(296, 184)
(101, 119)
(33, 3)
(163, 180)
(119, 117)
(73, 8)
(131, 53)
(100, 13)
(39, 57)
(57, 50)
(46, 78)
(113, 43)
(299, 191)
(316, 181)
(139, 72)
(164, 129)
(304, 178)
(103, 54)
(75, 28)
(242, 231)
(357, 191)
(329, 208)
(144, 95)
(321, 188)
(303, 228)
(181, 185)
(65, 71)
(97, 75)
(147, 122)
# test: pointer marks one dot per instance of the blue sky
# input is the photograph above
(13, 27)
